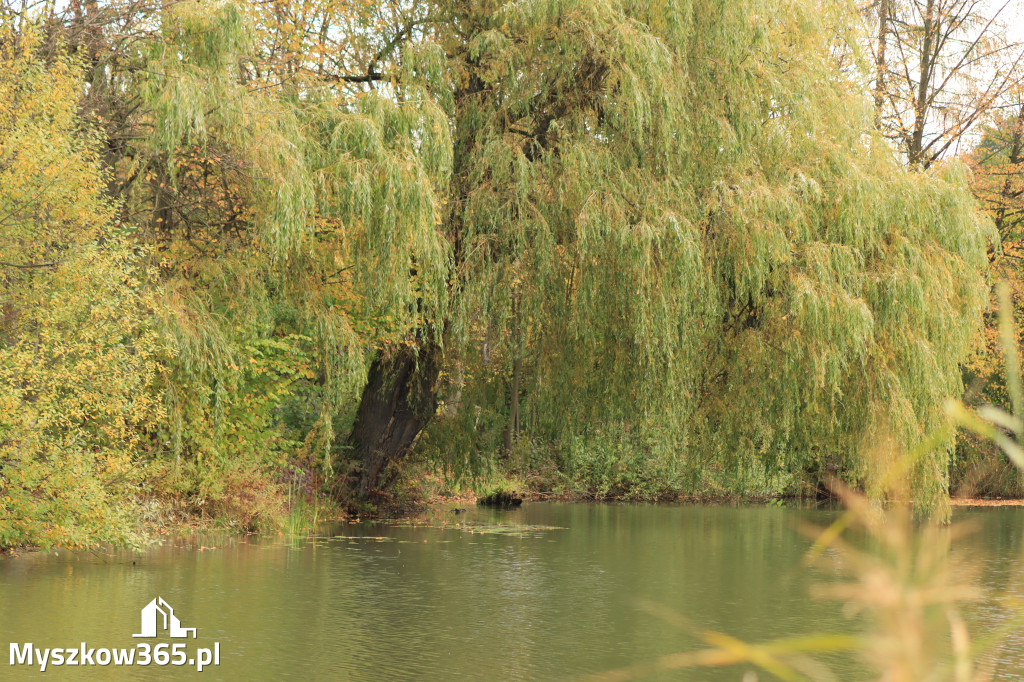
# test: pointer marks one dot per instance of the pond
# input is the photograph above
(547, 591)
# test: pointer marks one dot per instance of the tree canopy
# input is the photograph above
(660, 245)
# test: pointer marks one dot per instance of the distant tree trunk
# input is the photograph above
(513, 417)
(1016, 156)
(915, 146)
(880, 64)
(453, 400)
(512, 432)
(398, 401)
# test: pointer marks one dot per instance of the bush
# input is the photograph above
(76, 401)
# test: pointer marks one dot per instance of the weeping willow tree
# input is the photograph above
(674, 219)
(283, 224)
(665, 225)
(295, 227)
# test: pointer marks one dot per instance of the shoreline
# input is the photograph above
(194, 528)
(984, 502)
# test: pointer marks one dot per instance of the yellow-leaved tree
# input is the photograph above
(997, 180)
(78, 362)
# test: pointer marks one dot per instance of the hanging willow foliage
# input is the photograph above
(670, 223)
(678, 215)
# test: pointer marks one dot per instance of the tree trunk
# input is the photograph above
(881, 66)
(517, 367)
(400, 396)
(1014, 158)
(915, 148)
(453, 399)
(398, 401)
(513, 414)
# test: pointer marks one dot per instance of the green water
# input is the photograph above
(563, 590)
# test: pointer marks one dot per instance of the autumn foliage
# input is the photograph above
(79, 358)
(252, 254)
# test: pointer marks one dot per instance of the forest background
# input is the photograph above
(292, 258)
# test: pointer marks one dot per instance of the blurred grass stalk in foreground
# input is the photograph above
(899, 572)
(899, 575)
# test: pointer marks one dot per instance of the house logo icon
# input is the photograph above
(170, 621)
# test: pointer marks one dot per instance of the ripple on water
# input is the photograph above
(547, 591)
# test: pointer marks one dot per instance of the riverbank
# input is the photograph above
(279, 510)
(979, 502)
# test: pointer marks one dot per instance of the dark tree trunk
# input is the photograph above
(512, 432)
(398, 400)
(400, 396)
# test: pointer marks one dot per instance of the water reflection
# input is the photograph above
(443, 601)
